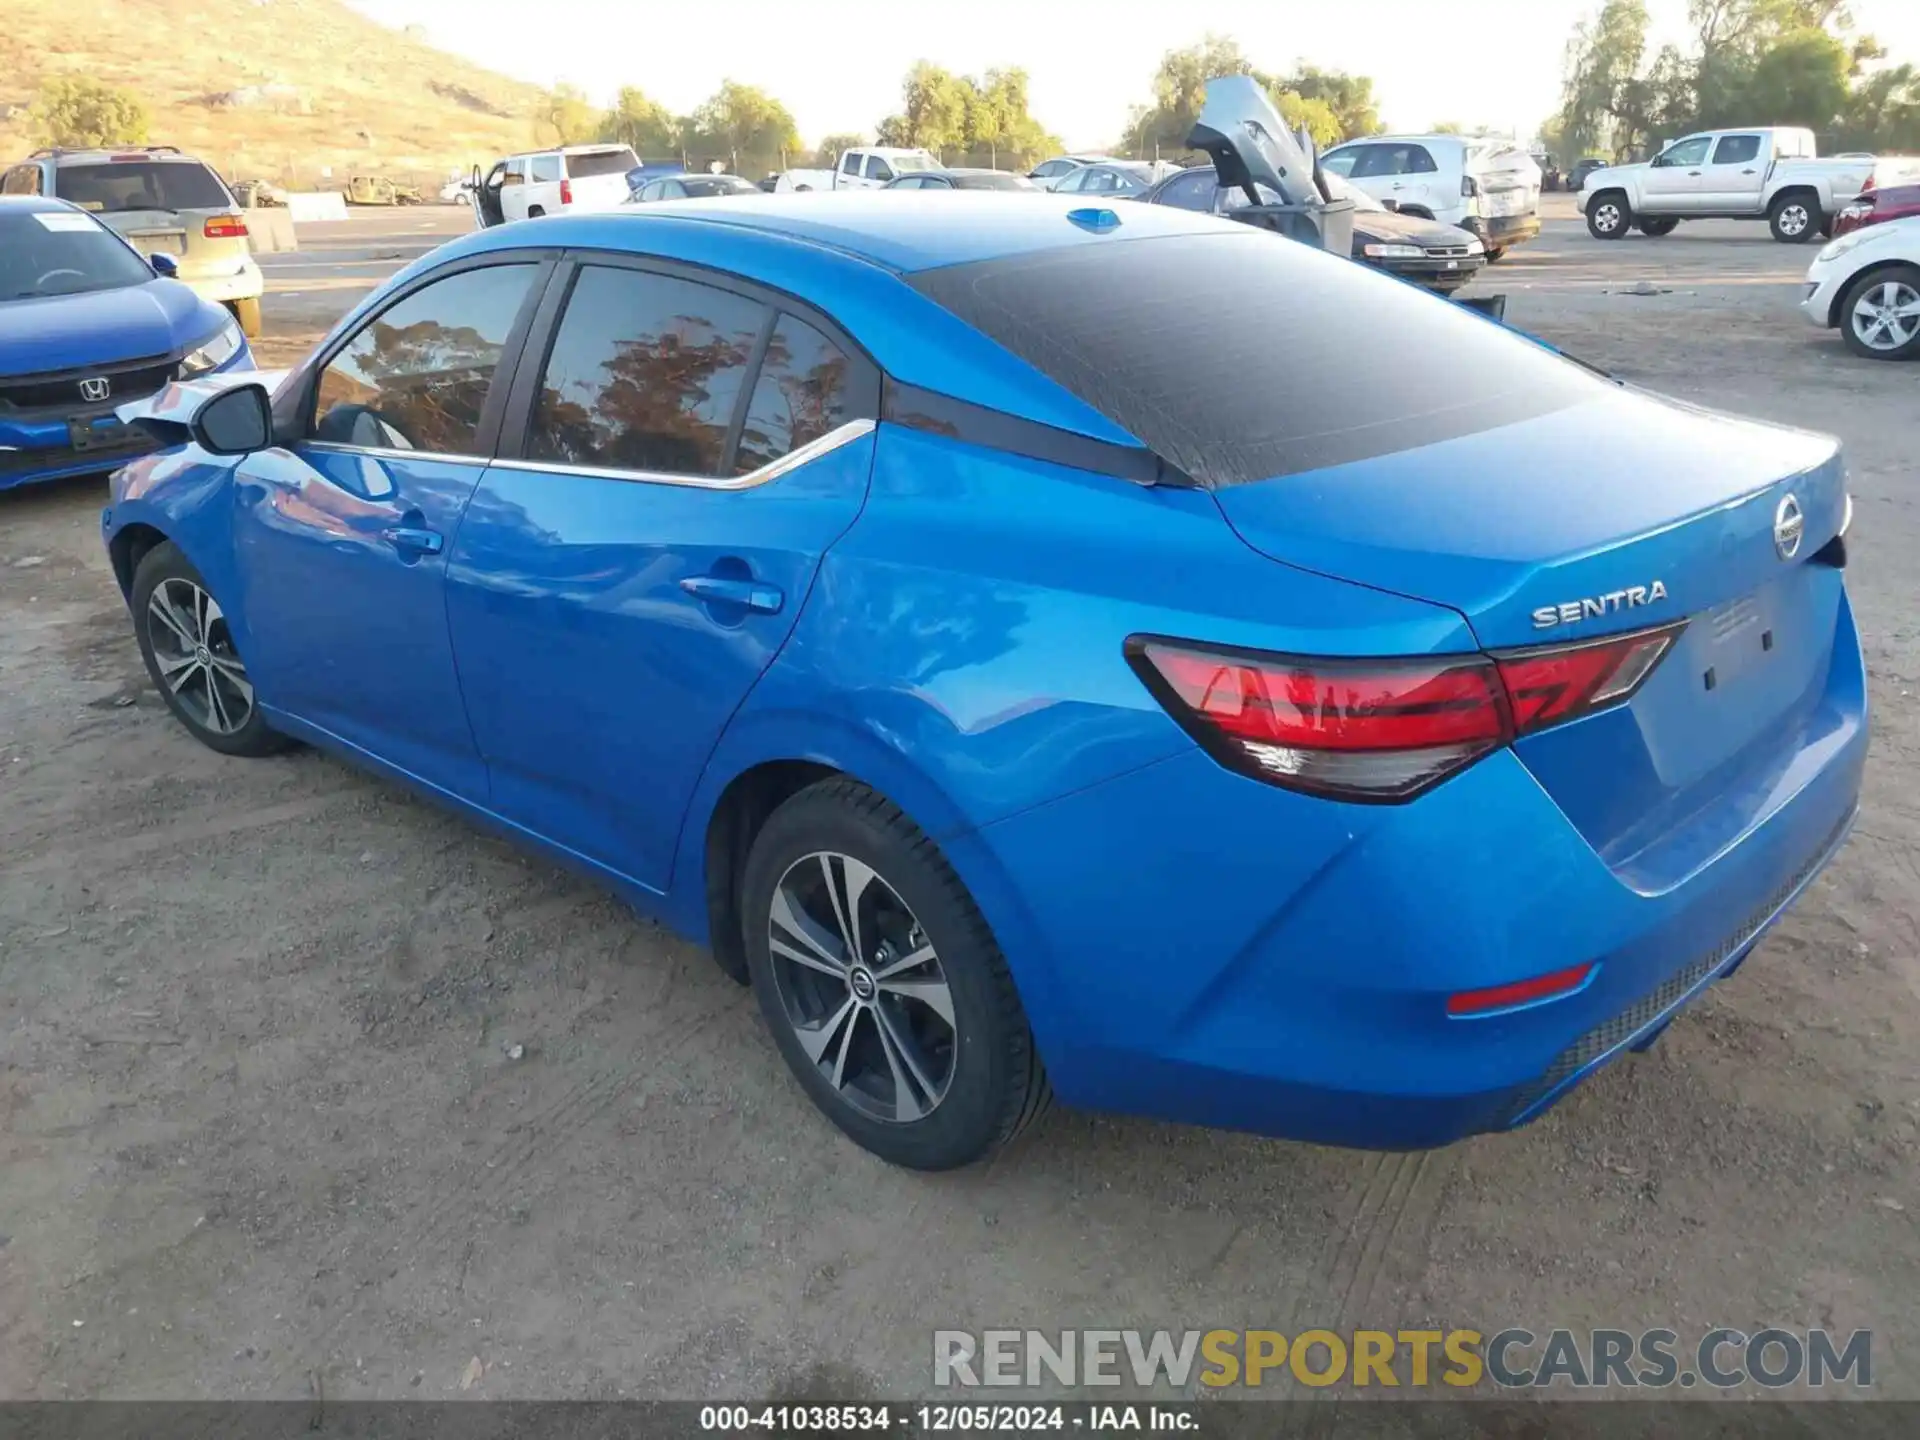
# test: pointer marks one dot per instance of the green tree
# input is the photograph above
(1316, 117)
(827, 153)
(1602, 57)
(1350, 97)
(73, 110)
(747, 126)
(934, 105)
(1180, 90)
(1447, 127)
(646, 125)
(1800, 79)
(566, 118)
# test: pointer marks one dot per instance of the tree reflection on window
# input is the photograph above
(801, 395)
(416, 378)
(645, 374)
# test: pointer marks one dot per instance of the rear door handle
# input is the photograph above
(420, 542)
(750, 594)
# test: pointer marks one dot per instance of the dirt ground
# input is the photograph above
(260, 1131)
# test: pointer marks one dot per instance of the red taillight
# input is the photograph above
(1382, 730)
(224, 227)
(1520, 992)
(1549, 686)
(566, 192)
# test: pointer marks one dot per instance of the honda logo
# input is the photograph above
(97, 388)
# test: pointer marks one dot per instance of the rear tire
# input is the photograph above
(929, 1065)
(191, 658)
(1656, 228)
(1609, 217)
(1795, 217)
(534, 212)
(1871, 314)
(247, 313)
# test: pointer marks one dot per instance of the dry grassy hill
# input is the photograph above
(268, 87)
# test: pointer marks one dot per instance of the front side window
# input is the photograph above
(416, 376)
(878, 169)
(802, 393)
(546, 169)
(1688, 152)
(644, 374)
(1737, 150)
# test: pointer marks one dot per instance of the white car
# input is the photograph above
(1049, 173)
(572, 178)
(866, 167)
(1490, 188)
(1866, 284)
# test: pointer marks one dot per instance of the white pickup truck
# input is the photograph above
(1769, 174)
(866, 168)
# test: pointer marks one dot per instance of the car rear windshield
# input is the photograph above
(56, 252)
(1240, 356)
(120, 185)
(586, 164)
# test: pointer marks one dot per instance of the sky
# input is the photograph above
(838, 64)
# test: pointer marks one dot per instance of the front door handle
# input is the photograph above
(1747, 172)
(720, 590)
(418, 541)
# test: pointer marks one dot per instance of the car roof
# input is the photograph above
(34, 205)
(893, 232)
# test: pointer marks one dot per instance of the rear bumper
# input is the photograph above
(1203, 948)
(1505, 230)
(245, 283)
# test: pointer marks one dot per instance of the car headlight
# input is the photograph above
(212, 352)
(1394, 252)
(1474, 247)
(1836, 248)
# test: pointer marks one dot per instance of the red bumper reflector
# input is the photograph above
(1520, 992)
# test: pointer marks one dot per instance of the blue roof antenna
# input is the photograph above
(1094, 219)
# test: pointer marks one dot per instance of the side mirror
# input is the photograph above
(234, 422)
(165, 266)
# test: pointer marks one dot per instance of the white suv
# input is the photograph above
(1488, 187)
(548, 182)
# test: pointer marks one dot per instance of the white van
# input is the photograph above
(548, 182)
(1488, 187)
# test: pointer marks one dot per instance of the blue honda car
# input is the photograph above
(1116, 653)
(87, 325)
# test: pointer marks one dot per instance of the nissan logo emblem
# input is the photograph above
(1788, 526)
(97, 388)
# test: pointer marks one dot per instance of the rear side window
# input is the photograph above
(587, 165)
(21, 180)
(1239, 356)
(118, 186)
(1736, 149)
(644, 374)
(416, 377)
(1192, 191)
(850, 163)
(546, 169)
(804, 391)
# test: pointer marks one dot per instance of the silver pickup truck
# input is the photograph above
(1767, 173)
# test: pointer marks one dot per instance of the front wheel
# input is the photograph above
(1496, 255)
(883, 986)
(188, 648)
(1794, 218)
(1880, 314)
(247, 313)
(1656, 228)
(1609, 217)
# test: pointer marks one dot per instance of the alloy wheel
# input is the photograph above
(1887, 316)
(1607, 217)
(862, 987)
(1794, 219)
(193, 650)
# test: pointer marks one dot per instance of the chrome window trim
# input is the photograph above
(843, 435)
(381, 452)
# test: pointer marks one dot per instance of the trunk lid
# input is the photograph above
(1617, 514)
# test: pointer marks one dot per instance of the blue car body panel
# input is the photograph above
(947, 623)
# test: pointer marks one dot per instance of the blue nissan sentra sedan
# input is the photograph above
(87, 325)
(1117, 653)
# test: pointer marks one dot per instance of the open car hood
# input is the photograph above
(1243, 133)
